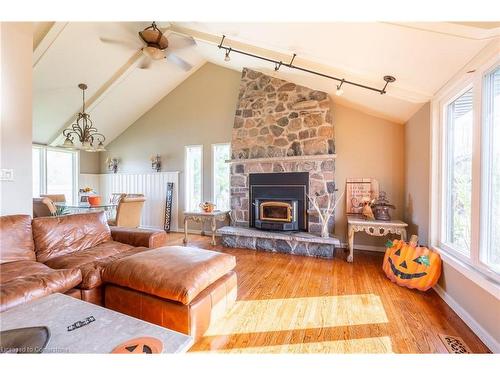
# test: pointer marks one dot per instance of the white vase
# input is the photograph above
(324, 232)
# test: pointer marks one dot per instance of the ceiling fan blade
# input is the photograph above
(119, 42)
(145, 62)
(179, 61)
(177, 41)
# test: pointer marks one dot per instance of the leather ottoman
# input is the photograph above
(177, 287)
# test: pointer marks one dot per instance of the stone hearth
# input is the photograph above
(301, 243)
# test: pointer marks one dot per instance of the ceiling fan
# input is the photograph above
(158, 46)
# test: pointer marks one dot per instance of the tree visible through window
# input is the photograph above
(221, 153)
(458, 185)
(491, 172)
(194, 175)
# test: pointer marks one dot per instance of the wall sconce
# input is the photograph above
(156, 162)
(112, 164)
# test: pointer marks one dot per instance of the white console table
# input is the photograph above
(201, 217)
(373, 228)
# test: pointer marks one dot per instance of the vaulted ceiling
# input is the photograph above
(422, 56)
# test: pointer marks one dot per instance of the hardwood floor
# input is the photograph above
(293, 304)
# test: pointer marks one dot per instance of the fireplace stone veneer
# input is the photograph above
(281, 127)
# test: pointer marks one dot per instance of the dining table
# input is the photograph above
(81, 207)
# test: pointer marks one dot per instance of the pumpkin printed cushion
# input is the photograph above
(414, 267)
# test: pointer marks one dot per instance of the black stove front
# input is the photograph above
(279, 201)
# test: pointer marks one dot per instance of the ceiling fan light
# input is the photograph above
(153, 52)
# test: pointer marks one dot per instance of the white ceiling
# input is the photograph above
(422, 56)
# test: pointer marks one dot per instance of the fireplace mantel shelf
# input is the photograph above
(283, 159)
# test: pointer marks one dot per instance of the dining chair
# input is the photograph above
(116, 197)
(54, 197)
(43, 207)
(128, 213)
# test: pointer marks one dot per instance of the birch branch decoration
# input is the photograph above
(325, 213)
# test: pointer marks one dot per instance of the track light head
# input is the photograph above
(340, 90)
(227, 57)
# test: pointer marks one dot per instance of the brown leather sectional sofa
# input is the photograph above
(127, 270)
(64, 254)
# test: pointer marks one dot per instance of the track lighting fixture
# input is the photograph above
(227, 58)
(279, 64)
(340, 90)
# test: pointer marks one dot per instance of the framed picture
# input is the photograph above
(358, 190)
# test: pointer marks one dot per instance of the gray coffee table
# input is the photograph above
(105, 330)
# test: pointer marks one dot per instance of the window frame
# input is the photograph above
(465, 86)
(485, 176)
(214, 145)
(472, 266)
(186, 195)
(43, 168)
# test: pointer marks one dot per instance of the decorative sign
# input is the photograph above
(359, 190)
(168, 206)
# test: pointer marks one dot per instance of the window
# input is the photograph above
(220, 175)
(55, 171)
(194, 177)
(465, 200)
(458, 173)
(490, 236)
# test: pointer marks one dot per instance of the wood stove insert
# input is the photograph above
(278, 201)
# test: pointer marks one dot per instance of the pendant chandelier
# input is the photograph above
(84, 131)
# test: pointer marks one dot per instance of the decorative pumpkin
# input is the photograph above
(412, 266)
(139, 345)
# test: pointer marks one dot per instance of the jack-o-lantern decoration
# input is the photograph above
(412, 266)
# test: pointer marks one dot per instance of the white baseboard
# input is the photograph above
(173, 229)
(483, 334)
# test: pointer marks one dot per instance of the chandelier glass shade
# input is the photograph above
(84, 131)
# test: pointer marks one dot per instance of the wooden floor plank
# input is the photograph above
(294, 304)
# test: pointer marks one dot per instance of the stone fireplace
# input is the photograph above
(284, 129)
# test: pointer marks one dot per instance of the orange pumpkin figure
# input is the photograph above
(139, 345)
(411, 266)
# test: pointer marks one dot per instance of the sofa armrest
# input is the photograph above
(139, 237)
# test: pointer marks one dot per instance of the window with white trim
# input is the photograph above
(194, 177)
(55, 171)
(468, 170)
(457, 174)
(490, 237)
(220, 175)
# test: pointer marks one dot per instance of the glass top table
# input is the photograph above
(86, 206)
(82, 207)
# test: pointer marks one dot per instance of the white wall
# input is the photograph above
(16, 116)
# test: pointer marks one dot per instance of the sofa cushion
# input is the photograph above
(16, 240)
(25, 280)
(92, 261)
(175, 273)
(57, 236)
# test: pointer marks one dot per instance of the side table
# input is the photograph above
(373, 228)
(201, 217)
